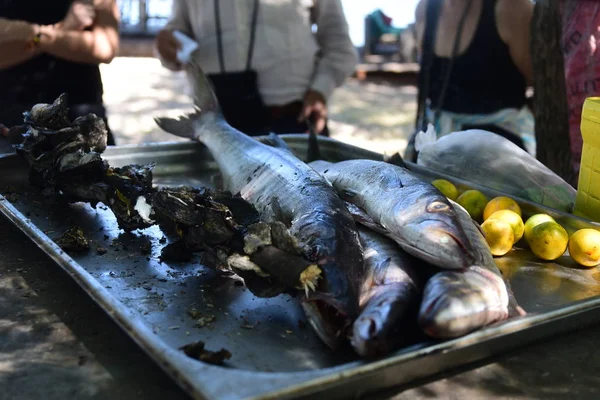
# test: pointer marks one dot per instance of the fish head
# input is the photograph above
(434, 233)
(379, 326)
(456, 303)
(333, 306)
(328, 318)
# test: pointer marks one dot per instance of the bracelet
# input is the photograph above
(35, 41)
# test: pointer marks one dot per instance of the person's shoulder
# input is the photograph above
(513, 10)
(513, 16)
(104, 3)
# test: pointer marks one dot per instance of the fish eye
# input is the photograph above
(437, 206)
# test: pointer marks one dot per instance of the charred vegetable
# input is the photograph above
(194, 216)
(198, 351)
(65, 157)
(65, 161)
(131, 195)
(73, 240)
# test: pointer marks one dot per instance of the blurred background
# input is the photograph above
(374, 109)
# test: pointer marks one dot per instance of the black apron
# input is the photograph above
(240, 100)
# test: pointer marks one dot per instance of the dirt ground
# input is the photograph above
(375, 116)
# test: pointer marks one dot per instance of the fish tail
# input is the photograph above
(275, 141)
(205, 101)
(204, 94)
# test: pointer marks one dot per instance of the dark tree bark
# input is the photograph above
(550, 94)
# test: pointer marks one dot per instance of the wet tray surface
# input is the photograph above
(275, 354)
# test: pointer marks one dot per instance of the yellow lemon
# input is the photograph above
(584, 247)
(446, 187)
(500, 203)
(548, 240)
(499, 236)
(460, 188)
(474, 202)
(513, 219)
(534, 220)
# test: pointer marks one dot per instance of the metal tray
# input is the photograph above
(279, 357)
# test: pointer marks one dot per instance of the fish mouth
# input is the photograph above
(457, 303)
(328, 317)
(377, 329)
(438, 318)
(441, 245)
(466, 248)
(367, 338)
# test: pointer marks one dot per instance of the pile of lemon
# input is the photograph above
(502, 225)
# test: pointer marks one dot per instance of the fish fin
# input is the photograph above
(363, 218)
(464, 211)
(278, 213)
(348, 194)
(479, 228)
(395, 159)
(424, 138)
(313, 152)
(205, 101)
(321, 166)
(380, 271)
(205, 98)
(182, 126)
(274, 140)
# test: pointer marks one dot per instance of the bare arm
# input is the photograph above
(338, 56)
(513, 18)
(336, 61)
(98, 45)
(420, 25)
(16, 42)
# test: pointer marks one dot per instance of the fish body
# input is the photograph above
(458, 302)
(389, 296)
(412, 211)
(283, 188)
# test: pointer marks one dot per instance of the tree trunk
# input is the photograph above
(551, 112)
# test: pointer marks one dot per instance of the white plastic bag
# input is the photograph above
(188, 46)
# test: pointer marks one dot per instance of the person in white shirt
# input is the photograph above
(270, 70)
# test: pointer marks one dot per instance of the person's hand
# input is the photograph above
(315, 109)
(167, 46)
(80, 16)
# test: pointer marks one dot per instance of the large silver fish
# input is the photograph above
(413, 212)
(458, 302)
(284, 188)
(490, 160)
(389, 296)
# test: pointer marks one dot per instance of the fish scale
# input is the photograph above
(389, 296)
(413, 212)
(282, 187)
